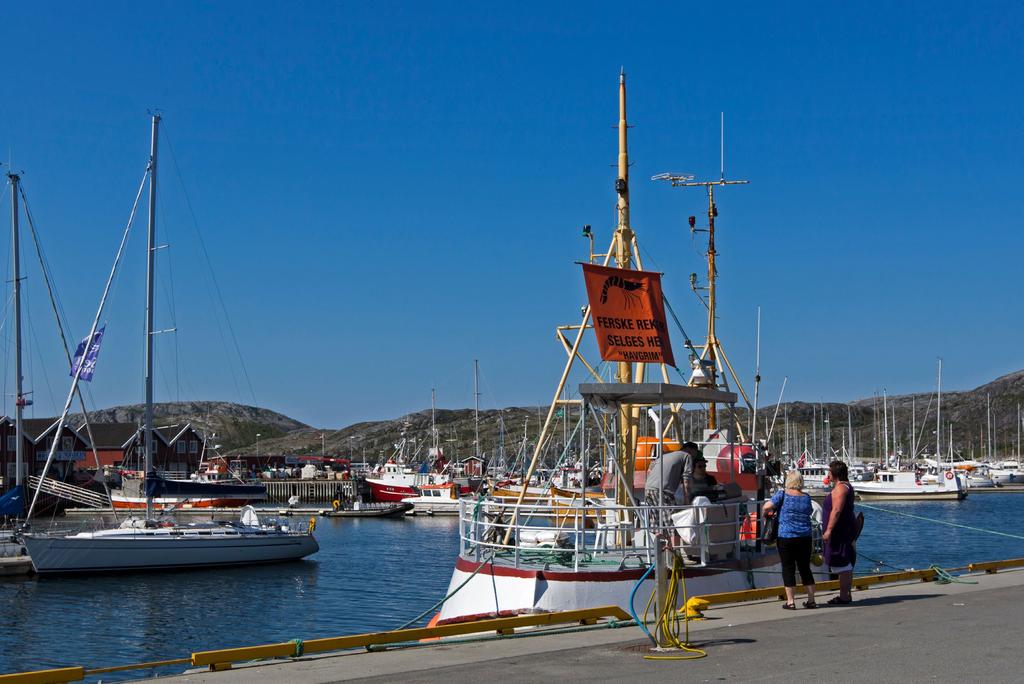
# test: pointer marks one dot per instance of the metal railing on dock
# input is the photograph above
(80, 495)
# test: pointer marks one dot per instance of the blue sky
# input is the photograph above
(388, 191)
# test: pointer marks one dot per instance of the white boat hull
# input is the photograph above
(159, 550)
(431, 507)
(506, 590)
(1006, 477)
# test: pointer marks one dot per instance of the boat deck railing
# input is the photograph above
(574, 534)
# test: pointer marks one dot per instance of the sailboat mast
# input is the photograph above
(150, 273)
(623, 250)
(433, 420)
(885, 427)
(476, 407)
(938, 417)
(19, 401)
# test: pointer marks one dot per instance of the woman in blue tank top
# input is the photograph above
(794, 509)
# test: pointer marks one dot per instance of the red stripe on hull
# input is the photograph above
(203, 503)
(603, 576)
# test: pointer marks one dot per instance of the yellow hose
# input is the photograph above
(668, 626)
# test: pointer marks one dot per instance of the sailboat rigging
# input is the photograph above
(147, 543)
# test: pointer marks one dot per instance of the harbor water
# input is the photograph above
(370, 574)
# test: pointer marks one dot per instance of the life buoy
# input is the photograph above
(312, 525)
(748, 529)
(826, 481)
(949, 474)
(336, 504)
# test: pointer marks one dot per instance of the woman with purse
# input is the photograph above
(793, 508)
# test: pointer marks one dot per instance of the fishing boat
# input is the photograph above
(526, 548)
(909, 485)
(150, 543)
(396, 481)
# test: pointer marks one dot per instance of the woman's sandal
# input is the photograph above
(788, 606)
(810, 604)
(839, 601)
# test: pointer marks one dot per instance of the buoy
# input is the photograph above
(336, 504)
(949, 474)
(748, 529)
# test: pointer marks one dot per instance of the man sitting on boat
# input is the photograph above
(702, 483)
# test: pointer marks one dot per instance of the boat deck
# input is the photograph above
(887, 632)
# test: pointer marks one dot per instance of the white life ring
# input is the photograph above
(949, 474)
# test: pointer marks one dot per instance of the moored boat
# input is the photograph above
(155, 545)
(907, 485)
(545, 551)
(437, 499)
(149, 543)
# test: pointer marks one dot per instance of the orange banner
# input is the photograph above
(628, 311)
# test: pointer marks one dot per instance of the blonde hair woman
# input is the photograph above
(794, 509)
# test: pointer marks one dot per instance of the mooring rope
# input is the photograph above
(943, 577)
(942, 522)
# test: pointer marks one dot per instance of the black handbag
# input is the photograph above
(770, 527)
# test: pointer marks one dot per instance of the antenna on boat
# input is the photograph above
(721, 149)
(712, 362)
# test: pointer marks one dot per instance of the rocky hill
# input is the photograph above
(235, 425)
(820, 426)
(374, 440)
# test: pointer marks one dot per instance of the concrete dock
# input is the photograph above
(912, 632)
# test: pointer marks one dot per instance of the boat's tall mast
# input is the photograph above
(19, 400)
(623, 251)
(150, 273)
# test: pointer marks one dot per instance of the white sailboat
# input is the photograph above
(149, 544)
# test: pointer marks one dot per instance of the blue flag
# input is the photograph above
(90, 356)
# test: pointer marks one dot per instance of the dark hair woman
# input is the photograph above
(840, 530)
